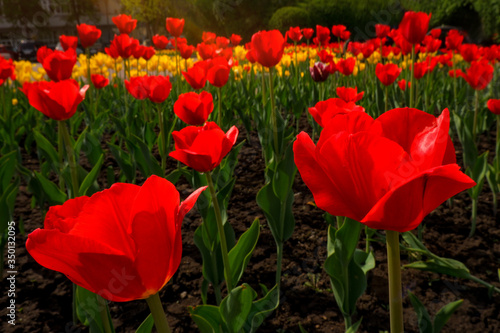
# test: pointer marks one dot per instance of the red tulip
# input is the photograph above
(123, 243)
(470, 52)
(125, 45)
(494, 106)
(125, 23)
(203, 148)
(158, 87)
(138, 51)
(196, 76)
(42, 53)
(185, 50)
(99, 81)
(268, 47)
(235, 39)
(218, 72)
(208, 37)
(136, 88)
(387, 73)
(478, 75)
(387, 173)
(112, 51)
(454, 40)
(294, 34)
(403, 44)
(175, 26)
(59, 65)
(421, 68)
(68, 42)
(193, 108)
(56, 100)
(319, 72)
(206, 51)
(349, 94)
(148, 53)
(88, 34)
(160, 42)
(322, 35)
(346, 66)
(402, 84)
(308, 33)
(340, 31)
(431, 44)
(7, 69)
(414, 26)
(435, 33)
(382, 30)
(222, 42)
(324, 111)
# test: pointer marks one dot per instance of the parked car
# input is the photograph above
(7, 52)
(27, 50)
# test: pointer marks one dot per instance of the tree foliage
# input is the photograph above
(481, 18)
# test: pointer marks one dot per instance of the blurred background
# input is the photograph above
(28, 24)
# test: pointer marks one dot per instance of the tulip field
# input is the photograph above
(300, 181)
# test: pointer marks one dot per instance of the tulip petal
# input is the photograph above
(404, 207)
(326, 194)
(154, 216)
(106, 217)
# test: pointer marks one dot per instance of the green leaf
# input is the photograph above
(92, 148)
(54, 194)
(235, 308)
(262, 308)
(208, 318)
(88, 309)
(147, 325)
(477, 173)
(124, 161)
(424, 319)
(147, 163)
(444, 314)
(91, 176)
(47, 149)
(8, 164)
(354, 328)
(240, 254)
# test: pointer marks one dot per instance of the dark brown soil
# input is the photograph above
(43, 297)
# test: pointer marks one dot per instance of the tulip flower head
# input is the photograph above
(127, 230)
(268, 47)
(414, 26)
(349, 94)
(68, 42)
(387, 173)
(175, 26)
(125, 23)
(160, 42)
(203, 148)
(59, 65)
(478, 75)
(196, 76)
(494, 106)
(387, 73)
(89, 34)
(308, 33)
(193, 108)
(295, 34)
(324, 111)
(56, 100)
(319, 72)
(99, 81)
(235, 39)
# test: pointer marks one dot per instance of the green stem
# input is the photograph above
(476, 111)
(454, 80)
(279, 259)
(71, 159)
(103, 311)
(219, 116)
(222, 235)
(158, 313)
(61, 155)
(473, 218)
(263, 90)
(367, 241)
(412, 78)
(161, 120)
(395, 292)
(273, 114)
(74, 304)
